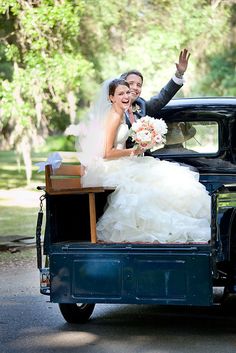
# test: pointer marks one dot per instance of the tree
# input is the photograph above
(54, 53)
(149, 34)
(218, 68)
(45, 69)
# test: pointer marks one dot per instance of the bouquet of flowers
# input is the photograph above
(148, 133)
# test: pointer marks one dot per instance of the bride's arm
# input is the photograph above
(112, 125)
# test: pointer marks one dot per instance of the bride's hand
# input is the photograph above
(136, 151)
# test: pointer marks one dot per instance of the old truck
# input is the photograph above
(79, 271)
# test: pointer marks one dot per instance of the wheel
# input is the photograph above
(228, 304)
(78, 313)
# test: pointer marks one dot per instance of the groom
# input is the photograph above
(152, 107)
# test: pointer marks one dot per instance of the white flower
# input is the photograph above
(136, 108)
(146, 119)
(144, 136)
(148, 133)
(135, 126)
(160, 125)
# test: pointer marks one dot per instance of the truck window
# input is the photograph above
(195, 137)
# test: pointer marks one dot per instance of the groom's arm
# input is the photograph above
(157, 102)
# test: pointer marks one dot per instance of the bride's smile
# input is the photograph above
(155, 201)
(122, 97)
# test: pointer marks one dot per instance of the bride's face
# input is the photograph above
(122, 97)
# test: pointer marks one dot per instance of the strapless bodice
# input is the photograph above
(121, 137)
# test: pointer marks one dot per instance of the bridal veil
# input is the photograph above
(91, 132)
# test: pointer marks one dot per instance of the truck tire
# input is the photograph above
(78, 313)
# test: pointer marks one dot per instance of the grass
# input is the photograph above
(18, 221)
(19, 202)
(13, 175)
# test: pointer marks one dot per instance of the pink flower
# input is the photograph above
(148, 133)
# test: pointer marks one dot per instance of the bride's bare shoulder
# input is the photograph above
(113, 118)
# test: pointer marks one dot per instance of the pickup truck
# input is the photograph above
(79, 271)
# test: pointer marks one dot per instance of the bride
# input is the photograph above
(154, 201)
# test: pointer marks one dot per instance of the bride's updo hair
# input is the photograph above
(114, 84)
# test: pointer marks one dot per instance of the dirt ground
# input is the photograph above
(25, 257)
(18, 250)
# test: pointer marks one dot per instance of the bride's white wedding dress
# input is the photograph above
(154, 201)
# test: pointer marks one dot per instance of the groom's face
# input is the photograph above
(135, 83)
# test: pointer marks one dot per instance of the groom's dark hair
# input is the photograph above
(131, 72)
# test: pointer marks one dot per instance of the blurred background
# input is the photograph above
(55, 53)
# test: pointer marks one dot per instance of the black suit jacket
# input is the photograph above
(152, 107)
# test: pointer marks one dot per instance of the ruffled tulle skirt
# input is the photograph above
(154, 201)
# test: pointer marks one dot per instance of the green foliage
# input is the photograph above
(217, 65)
(54, 54)
(220, 78)
(149, 35)
(47, 65)
(57, 143)
(12, 170)
(17, 220)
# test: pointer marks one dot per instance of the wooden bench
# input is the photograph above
(67, 180)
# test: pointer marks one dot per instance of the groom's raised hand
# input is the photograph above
(182, 65)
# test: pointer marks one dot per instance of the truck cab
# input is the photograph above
(81, 271)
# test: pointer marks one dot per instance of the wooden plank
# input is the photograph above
(66, 180)
(69, 169)
(48, 172)
(65, 183)
(64, 177)
(93, 221)
(75, 191)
